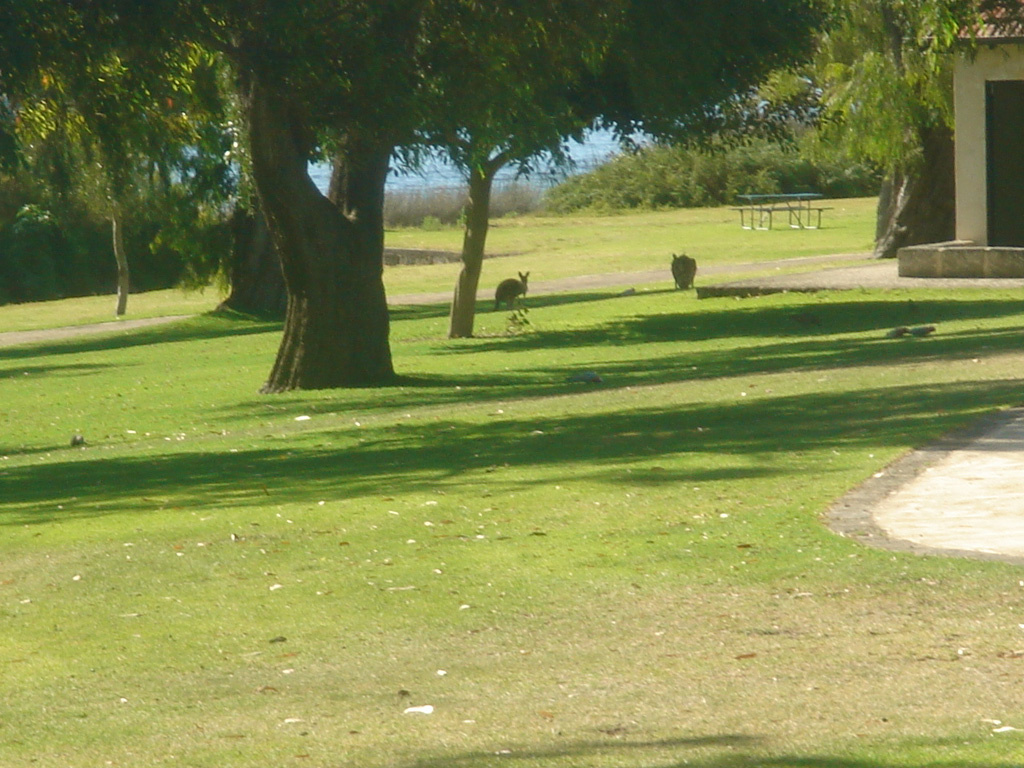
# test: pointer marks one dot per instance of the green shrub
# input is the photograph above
(662, 176)
(30, 252)
(63, 250)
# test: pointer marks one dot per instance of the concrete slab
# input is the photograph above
(958, 259)
(972, 498)
(961, 496)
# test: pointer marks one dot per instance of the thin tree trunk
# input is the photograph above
(336, 324)
(123, 274)
(478, 212)
(920, 207)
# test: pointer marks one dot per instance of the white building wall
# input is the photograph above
(992, 62)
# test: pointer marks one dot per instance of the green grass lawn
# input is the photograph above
(632, 573)
(552, 247)
(100, 309)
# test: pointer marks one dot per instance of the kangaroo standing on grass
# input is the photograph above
(509, 290)
(683, 270)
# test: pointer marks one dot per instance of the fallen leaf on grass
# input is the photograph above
(746, 656)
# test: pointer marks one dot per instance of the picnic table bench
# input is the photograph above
(757, 211)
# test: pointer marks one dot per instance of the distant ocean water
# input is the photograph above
(598, 147)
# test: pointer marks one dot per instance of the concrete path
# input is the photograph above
(972, 498)
(961, 496)
(13, 338)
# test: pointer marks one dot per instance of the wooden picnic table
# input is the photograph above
(758, 211)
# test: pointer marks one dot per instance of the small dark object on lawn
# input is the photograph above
(77, 440)
(586, 377)
(807, 318)
(509, 290)
(683, 270)
(895, 333)
(922, 330)
(628, 292)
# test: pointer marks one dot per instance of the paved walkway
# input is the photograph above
(962, 496)
(13, 338)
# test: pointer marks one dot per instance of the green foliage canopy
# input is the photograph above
(355, 79)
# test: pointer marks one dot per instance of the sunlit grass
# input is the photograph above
(100, 309)
(554, 247)
(630, 573)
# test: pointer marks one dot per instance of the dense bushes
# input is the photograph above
(48, 255)
(673, 177)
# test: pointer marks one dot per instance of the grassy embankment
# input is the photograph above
(627, 574)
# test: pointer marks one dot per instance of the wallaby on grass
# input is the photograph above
(683, 270)
(509, 290)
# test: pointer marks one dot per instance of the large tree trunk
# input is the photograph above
(121, 257)
(257, 284)
(919, 207)
(336, 324)
(478, 211)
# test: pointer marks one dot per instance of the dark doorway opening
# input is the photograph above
(1004, 107)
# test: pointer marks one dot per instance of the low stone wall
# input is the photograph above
(960, 259)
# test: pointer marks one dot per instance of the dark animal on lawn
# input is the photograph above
(683, 270)
(509, 290)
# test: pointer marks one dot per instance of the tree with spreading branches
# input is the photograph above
(355, 80)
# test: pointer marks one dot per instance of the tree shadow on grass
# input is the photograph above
(341, 460)
(642, 753)
(626, 749)
(485, 307)
(210, 326)
(755, 321)
(33, 371)
(706, 363)
(402, 312)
